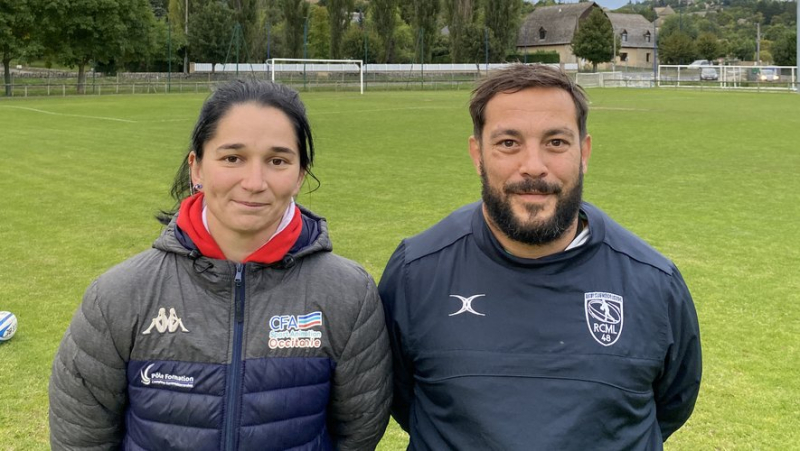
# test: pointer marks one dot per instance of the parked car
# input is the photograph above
(699, 63)
(709, 73)
(770, 74)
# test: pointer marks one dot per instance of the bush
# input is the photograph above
(551, 57)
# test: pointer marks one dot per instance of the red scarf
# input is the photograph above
(190, 220)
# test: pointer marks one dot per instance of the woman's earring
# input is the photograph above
(195, 188)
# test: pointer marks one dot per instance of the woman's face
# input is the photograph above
(250, 171)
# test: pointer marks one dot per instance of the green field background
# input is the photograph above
(708, 178)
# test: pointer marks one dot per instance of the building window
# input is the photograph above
(647, 36)
(624, 36)
(542, 34)
(647, 57)
(623, 57)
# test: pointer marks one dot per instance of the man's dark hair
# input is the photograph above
(517, 77)
(225, 97)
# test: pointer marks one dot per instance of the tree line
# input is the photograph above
(725, 30)
(154, 35)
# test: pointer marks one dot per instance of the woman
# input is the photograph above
(240, 329)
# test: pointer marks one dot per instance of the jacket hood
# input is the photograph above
(313, 238)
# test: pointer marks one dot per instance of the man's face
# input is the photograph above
(531, 160)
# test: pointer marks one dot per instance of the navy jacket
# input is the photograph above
(593, 348)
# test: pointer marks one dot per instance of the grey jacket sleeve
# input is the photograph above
(677, 388)
(361, 392)
(88, 383)
(392, 294)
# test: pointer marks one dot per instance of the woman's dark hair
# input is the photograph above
(225, 97)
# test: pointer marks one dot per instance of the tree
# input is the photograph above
(339, 16)
(79, 31)
(743, 48)
(594, 39)
(708, 46)
(677, 48)
(384, 15)
(17, 33)
(475, 41)
(353, 44)
(246, 15)
(294, 13)
(785, 50)
(319, 33)
(675, 23)
(425, 25)
(177, 19)
(272, 23)
(212, 28)
(503, 19)
(458, 15)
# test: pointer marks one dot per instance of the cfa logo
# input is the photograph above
(164, 323)
(299, 322)
(466, 304)
(290, 331)
(604, 316)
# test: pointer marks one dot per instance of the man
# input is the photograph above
(531, 320)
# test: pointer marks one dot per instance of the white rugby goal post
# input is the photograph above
(278, 66)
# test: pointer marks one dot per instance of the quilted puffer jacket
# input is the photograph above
(171, 350)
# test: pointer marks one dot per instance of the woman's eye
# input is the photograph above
(277, 161)
(231, 159)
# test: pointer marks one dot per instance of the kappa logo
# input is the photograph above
(164, 323)
(159, 378)
(604, 316)
(466, 304)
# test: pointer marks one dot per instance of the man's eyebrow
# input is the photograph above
(505, 132)
(558, 131)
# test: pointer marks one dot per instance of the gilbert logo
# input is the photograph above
(604, 316)
(164, 323)
(466, 304)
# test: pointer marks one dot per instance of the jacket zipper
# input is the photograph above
(234, 382)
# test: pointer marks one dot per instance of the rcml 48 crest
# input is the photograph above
(604, 316)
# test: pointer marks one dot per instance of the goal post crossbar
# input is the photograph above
(275, 61)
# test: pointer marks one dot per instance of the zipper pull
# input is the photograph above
(239, 295)
(238, 277)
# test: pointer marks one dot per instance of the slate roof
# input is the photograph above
(558, 21)
(635, 25)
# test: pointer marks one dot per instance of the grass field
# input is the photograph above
(709, 178)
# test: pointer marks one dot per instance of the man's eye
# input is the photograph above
(507, 143)
(558, 143)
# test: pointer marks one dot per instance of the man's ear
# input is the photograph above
(475, 153)
(586, 152)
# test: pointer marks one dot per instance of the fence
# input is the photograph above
(401, 77)
(752, 78)
(142, 87)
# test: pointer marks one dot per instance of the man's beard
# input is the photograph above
(533, 231)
